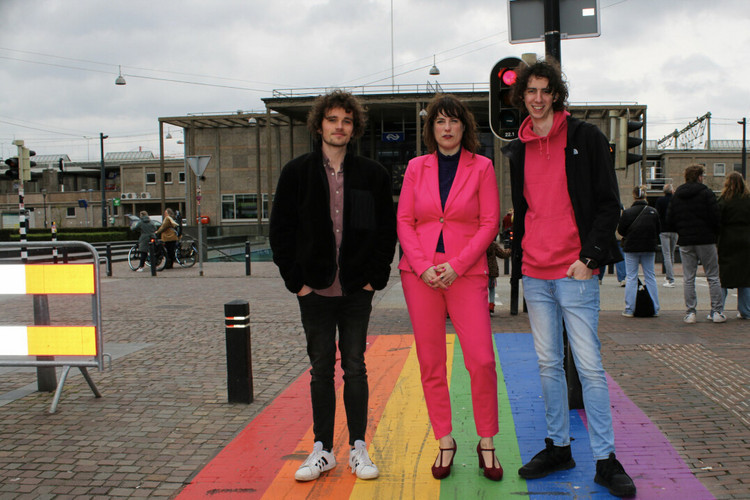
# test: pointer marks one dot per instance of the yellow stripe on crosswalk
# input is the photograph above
(412, 448)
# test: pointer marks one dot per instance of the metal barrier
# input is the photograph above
(38, 345)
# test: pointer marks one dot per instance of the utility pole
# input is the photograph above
(103, 180)
(744, 147)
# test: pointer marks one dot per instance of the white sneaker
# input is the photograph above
(627, 314)
(667, 284)
(622, 283)
(717, 317)
(319, 461)
(360, 461)
(690, 318)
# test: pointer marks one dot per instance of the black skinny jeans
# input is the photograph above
(320, 317)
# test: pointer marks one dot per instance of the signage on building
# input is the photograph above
(393, 137)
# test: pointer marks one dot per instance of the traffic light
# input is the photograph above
(627, 142)
(25, 163)
(505, 117)
(12, 172)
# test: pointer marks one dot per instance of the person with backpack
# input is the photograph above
(639, 226)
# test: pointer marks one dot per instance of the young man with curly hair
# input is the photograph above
(333, 236)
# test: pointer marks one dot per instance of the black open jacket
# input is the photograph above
(301, 231)
(593, 190)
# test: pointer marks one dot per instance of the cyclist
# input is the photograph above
(168, 236)
(148, 230)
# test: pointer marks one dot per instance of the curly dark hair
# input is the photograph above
(337, 99)
(549, 69)
(452, 107)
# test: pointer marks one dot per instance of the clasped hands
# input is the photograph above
(439, 276)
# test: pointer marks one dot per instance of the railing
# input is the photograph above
(43, 344)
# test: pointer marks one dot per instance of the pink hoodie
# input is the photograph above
(551, 242)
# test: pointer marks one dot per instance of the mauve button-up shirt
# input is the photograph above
(336, 205)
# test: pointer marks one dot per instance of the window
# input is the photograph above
(150, 177)
(181, 177)
(70, 212)
(242, 206)
(738, 167)
(720, 169)
(167, 177)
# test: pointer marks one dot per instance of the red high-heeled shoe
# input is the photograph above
(493, 473)
(442, 471)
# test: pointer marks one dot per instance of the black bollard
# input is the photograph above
(239, 352)
(109, 259)
(152, 256)
(247, 258)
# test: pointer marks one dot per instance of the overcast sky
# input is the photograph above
(59, 60)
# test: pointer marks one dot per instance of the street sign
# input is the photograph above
(198, 164)
(116, 202)
(578, 19)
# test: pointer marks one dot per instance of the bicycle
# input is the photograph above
(186, 254)
(134, 256)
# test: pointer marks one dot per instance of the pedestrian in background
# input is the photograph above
(667, 237)
(566, 204)
(148, 231)
(448, 213)
(333, 236)
(494, 252)
(639, 226)
(734, 241)
(169, 236)
(694, 214)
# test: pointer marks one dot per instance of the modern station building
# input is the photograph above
(248, 149)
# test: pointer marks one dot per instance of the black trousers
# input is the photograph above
(321, 316)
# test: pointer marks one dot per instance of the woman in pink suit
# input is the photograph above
(448, 213)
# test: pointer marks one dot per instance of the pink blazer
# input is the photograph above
(469, 222)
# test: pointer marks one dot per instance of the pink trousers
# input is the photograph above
(466, 302)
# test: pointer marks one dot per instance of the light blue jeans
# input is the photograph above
(743, 300)
(549, 302)
(646, 261)
(668, 244)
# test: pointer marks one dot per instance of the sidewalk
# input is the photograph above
(163, 416)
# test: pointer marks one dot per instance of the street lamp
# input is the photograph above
(120, 80)
(104, 194)
(434, 69)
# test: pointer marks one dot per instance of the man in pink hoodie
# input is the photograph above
(567, 206)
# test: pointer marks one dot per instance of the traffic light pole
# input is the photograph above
(553, 50)
(552, 30)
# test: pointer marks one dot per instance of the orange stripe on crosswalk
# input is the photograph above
(62, 340)
(60, 278)
(385, 359)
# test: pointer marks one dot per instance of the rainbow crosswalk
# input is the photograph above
(260, 462)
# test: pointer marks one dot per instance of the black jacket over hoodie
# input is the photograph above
(301, 231)
(592, 186)
(694, 214)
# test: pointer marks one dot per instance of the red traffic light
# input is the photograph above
(508, 76)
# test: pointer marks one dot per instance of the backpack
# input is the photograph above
(644, 306)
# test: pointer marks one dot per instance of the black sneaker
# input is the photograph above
(611, 475)
(551, 459)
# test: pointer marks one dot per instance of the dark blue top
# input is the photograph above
(447, 166)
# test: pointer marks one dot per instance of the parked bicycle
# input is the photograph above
(186, 254)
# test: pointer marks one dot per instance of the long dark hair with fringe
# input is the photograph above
(452, 107)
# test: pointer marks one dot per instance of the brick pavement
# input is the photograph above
(164, 412)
